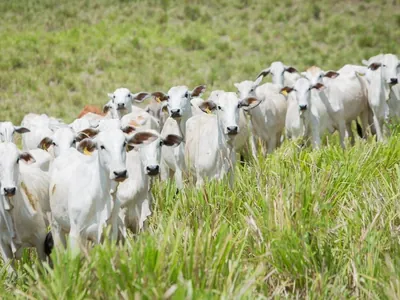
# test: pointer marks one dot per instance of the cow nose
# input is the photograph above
(153, 170)
(121, 174)
(232, 129)
(394, 80)
(175, 112)
(9, 191)
(303, 107)
(121, 105)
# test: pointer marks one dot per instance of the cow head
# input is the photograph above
(277, 71)
(11, 156)
(303, 88)
(7, 130)
(178, 99)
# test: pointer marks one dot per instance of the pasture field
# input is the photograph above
(298, 223)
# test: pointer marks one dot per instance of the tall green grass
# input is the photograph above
(298, 224)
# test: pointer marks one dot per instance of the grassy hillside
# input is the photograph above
(309, 224)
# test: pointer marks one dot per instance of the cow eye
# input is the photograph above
(102, 147)
(18, 160)
(124, 145)
(129, 95)
(73, 142)
(54, 144)
(219, 107)
(161, 142)
(187, 95)
(113, 96)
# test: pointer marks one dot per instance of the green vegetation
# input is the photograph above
(307, 224)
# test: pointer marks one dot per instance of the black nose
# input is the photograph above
(153, 170)
(232, 129)
(121, 105)
(121, 175)
(303, 107)
(393, 80)
(9, 192)
(175, 113)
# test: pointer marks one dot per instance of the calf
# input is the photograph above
(23, 195)
(80, 185)
(209, 151)
(179, 109)
(134, 195)
(120, 102)
(268, 118)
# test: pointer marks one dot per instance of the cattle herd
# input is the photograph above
(98, 171)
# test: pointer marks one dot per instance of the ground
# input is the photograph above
(298, 223)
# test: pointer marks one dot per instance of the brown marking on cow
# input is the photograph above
(91, 108)
(32, 200)
(53, 189)
(314, 70)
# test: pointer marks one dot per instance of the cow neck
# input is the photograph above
(182, 123)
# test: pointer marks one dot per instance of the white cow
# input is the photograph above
(134, 195)
(7, 130)
(40, 126)
(312, 110)
(120, 102)
(345, 99)
(24, 193)
(179, 109)
(268, 118)
(281, 74)
(59, 142)
(80, 185)
(390, 65)
(209, 151)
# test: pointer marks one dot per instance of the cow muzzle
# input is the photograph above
(394, 81)
(121, 106)
(9, 192)
(120, 176)
(176, 113)
(153, 170)
(303, 107)
(232, 130)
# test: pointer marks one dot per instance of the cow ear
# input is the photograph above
(21, 129)
(87, 146)
(45, 143)
(291, 70)
(160, 96)
(90, 132)
(172, 140)
(128, 129)
(365, 62)
(286, 90)
(374, 66)
(27, 158)
(264, 72)
(249, 103)
(236, 85)
(198, 91)
(208, 106)
(319, 86)
(142, 137)
(139, 97)
(110, 95)
(331, 74)
(106, 108)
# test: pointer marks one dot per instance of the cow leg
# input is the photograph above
(316, 139)
(342, 134)
(7, 256)
(253, 146)
(58, 235)
(272, 143)
(364, 123)
(40, 245)
(75, 239)
(164, 171)
(378, 128)
(350, 133)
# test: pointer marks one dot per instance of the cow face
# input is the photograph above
(149, 143)
(9, 167)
